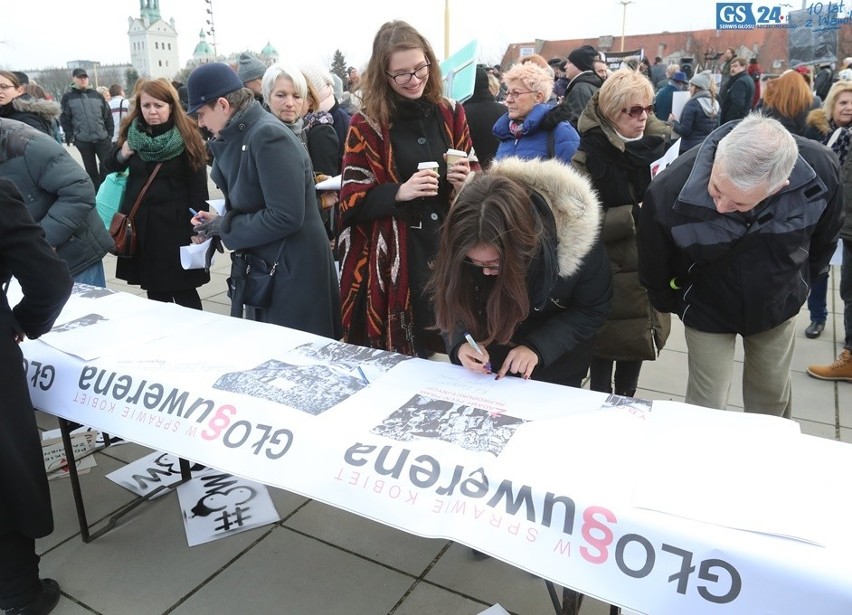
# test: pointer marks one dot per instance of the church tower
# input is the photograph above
(153, 42)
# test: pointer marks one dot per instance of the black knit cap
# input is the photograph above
(208, 82)
(583, 57)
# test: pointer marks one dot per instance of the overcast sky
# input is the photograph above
(54, 32)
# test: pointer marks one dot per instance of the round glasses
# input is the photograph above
(404, 78)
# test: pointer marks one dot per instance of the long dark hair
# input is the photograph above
(377, 97)
(490, 211)
(163, 90)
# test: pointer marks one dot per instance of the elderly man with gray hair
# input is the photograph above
(730, 235)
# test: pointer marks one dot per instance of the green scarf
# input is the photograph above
(155, 149)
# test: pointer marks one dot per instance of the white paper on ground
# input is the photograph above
(494, 610)
(147, 473)
(215, 504)
(192, 256)
(332, 183)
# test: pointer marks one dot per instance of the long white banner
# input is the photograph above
(550, 479)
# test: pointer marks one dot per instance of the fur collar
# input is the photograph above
(593, 118)
(818, 120)
(575, 205)
(46, 109)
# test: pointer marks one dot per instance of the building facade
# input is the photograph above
(153, 42)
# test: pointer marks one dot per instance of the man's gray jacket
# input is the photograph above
(86, 116)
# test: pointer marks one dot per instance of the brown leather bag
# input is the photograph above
(122, 228)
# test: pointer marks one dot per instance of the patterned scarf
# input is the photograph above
(516, 128)
(318, 117)
(841, 143)
(155, 148)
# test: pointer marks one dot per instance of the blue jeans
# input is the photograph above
(817, 298)
(93, 276)
(846, 291)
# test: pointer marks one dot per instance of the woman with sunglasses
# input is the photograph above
(391, 212)
(531, 128)
(521, 282)
(619, 139)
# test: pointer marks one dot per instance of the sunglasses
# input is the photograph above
(636, 111)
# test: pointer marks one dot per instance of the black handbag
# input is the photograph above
(252, 280)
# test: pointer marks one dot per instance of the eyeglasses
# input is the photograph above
(513, 94)
(636, 111)
(404, 78)
(495, 266)
(5, 87)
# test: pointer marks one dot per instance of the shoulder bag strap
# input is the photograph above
(144, 190)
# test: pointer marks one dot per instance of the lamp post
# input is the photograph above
(211, 28)
(624, 4)
(446, 29)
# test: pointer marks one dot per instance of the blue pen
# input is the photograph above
(476, 347)
(193, 212)
(363, 375)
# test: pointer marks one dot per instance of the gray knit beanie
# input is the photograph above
(250, 68)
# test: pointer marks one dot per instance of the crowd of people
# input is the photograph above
(517, 234)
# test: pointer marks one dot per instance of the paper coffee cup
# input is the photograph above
(431, 166)
(454, 155)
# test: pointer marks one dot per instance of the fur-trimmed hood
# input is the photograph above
(48, 110)
(818, 120)
(572, 200)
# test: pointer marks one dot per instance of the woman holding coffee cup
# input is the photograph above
(391, 205)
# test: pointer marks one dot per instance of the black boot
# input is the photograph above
(43, 604)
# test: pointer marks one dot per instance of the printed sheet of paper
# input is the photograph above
(150, 472)
(53, 450)
(215, 505)
(669, 157)
(84, 329)
(678, 101)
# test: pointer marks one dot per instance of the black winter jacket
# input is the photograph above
(790, 239)
(46, 285)
(38, 113)
(570, 286)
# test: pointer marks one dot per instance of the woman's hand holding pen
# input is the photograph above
(422, 183)
(206, 225)
(473, 359)
(521, 360)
